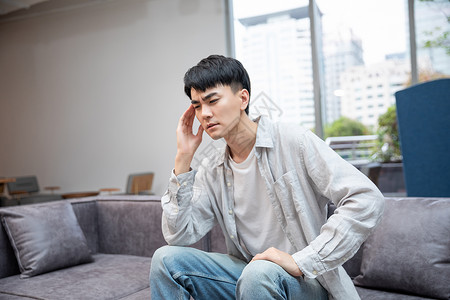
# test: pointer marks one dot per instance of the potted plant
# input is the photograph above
(388, 147)
(388, 153)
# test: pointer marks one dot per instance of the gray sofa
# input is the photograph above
(101, 248)
(121, 233)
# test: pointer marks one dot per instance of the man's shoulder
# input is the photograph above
(285, 130)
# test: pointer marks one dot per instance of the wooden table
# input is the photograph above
(3, 181)
(6, 180)
(110, 190)
(79, 195)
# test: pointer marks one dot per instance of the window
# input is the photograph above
(355, 51)
(281, 38)
(433, 49)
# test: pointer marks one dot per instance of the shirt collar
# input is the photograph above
(263, 139)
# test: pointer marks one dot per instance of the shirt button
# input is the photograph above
(231, 236)
(228, 184)
(185, 183)
(230, 212)
(314, 272)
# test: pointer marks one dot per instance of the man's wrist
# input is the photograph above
(182, 163)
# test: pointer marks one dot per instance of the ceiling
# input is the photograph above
(9, 6)
(17, 9)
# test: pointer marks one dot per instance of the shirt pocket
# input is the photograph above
(288, 191)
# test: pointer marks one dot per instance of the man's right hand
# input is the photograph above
(187, 142)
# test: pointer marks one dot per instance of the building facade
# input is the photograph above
(342, 49)
(431, 23)
(368, 91)
(276, 50)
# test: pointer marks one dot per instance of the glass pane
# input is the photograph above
(273, 42)
(365, 46)
(365, 61)
(432, 39)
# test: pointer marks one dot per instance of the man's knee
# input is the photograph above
(161, 253)
(164, 251)
(259, 273)
(175, 257)
(164, 257)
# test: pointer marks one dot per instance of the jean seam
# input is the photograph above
(181, 293)
(202, 275)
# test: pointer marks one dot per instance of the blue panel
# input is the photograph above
(423, 113)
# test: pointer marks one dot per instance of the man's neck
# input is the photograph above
(242, 138)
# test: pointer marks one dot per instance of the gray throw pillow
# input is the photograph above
(410, 250)
(45, 237)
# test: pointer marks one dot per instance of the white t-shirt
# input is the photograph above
(256, 222)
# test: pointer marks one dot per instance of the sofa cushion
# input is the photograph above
(45, 238)
(108, 277)
(410, 250)
(382, 295)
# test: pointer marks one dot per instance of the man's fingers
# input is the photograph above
(281, 258)
(200, 130)
(260, 256)
(188, 114)
(187, 119)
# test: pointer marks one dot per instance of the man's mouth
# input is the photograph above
(210, 125)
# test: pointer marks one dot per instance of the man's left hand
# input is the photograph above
(283, 259)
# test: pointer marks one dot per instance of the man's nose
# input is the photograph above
(206, 111)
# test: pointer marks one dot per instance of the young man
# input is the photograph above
(268, 190)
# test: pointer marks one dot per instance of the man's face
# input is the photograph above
(218, 109)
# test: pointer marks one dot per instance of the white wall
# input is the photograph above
(92, 94)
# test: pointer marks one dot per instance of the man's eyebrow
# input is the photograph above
(210, 95)
(207, 97)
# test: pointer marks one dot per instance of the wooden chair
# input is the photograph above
(25, 190)
(140, 183)
(4, 199)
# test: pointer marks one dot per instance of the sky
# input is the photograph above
(381, 24)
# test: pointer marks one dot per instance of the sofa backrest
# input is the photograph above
(86, 212)
(129, 226)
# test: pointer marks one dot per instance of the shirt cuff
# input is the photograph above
(182, 180)
(309, 263)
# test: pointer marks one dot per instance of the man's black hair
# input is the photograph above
(217, 70)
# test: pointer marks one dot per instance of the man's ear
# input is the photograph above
(245, 98)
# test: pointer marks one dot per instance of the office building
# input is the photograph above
(431, 18)
(342, 49)
(368, 91)
(276, 50)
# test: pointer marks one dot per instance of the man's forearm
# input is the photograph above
(182, 163)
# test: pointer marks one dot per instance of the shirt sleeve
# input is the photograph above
(187, 214)
(359, 208)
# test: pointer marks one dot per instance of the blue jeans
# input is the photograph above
(181, 272)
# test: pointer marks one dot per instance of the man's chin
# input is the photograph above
(214, 136)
